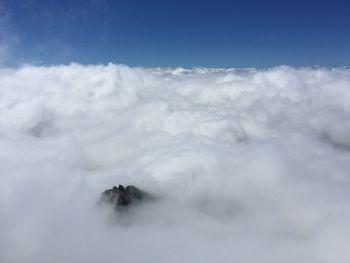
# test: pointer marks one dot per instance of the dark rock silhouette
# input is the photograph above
(122, 197)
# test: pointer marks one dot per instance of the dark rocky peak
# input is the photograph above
(121, 197)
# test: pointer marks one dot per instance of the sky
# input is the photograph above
(175, 33)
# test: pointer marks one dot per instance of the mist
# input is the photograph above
(248, 165)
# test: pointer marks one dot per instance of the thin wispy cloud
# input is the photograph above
(185, 33)
(8, 38)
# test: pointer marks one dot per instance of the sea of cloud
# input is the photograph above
(247, 165)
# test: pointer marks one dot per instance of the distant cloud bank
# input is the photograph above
(250, 165)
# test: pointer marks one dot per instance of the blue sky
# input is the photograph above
(176, 33)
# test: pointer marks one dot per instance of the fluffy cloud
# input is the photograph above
(249, 165)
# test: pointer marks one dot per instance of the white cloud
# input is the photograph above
(250, 165)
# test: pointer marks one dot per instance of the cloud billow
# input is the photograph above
(248, 165)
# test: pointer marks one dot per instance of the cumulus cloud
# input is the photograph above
(248, 165)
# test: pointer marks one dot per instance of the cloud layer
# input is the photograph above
(249, 165)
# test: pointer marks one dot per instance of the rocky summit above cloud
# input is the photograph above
(121, 197)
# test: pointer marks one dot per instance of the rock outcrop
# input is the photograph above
(121, 197)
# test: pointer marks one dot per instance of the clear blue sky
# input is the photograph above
(250, 33)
